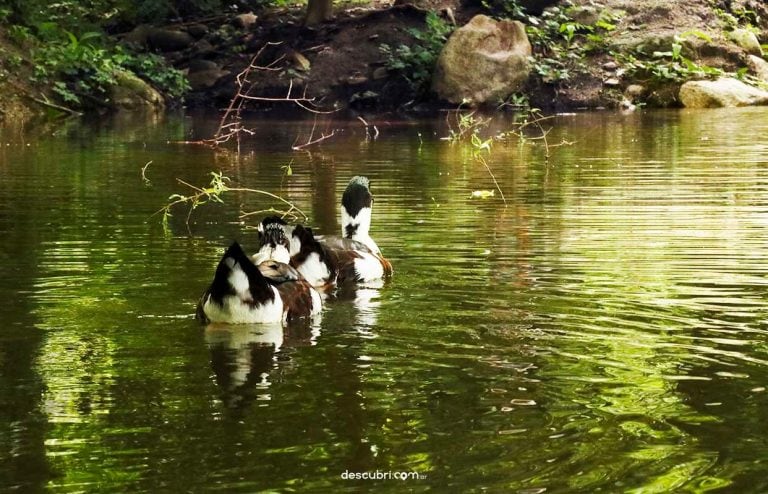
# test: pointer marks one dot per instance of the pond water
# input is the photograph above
(605, 331)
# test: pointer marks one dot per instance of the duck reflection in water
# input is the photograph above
(244, 356)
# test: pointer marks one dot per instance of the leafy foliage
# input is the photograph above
(154, 68)
(505, 8)
(68, 46)
(416, 62)
(85, 67)
(75, 15)
(670, 65)
(562, 43)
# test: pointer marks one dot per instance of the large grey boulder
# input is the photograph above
(483, 61)
(723, 92)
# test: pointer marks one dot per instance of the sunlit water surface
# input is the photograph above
(603, 332)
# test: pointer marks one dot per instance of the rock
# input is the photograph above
(612, 81)
(747, 40)
(364, 99)
(536, 7)
(204, 79)
(197, 31)
(139, 36)
(169, 39)
(380, 73)
(587, 15)
(634, 90)
(759, 67)
(203, 47)
(204, 74)
(201, 65)
(610, 66)
(356, 80)
(483, 61)
(131, 93)
(244, 21)
(299, 61)
(724, 92)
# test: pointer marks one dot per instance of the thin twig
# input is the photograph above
(212, 193)
(319, 139)
(47, 103)
(485, 164)
(144, 173)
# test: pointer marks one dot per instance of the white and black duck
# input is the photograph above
(326, 260)
(242, 292)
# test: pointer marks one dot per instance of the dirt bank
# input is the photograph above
(616, 57)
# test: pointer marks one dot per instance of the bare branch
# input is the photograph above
(319, 139)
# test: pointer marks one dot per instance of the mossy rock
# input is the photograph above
(132, 93)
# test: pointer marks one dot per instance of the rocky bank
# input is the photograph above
(558, 55)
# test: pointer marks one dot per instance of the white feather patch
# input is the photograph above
(363, 223)
(234, 310)
(317, 301)
(295, 244)
(268, 253)
(314, 270)
(368, 268)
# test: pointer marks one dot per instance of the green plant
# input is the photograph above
(19, 34)
(670, 65)
(505, 8)
(416, 62)
(10, 60)
(156, 70)
(218, 186)
(517, 100)
(95, 14)
(561, 43)
(466, 124)
(85, 66)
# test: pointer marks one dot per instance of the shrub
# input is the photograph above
(85, 67)
(416, 63)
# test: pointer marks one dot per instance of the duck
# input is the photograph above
(327, 260)
(356, 212)
(242, 292)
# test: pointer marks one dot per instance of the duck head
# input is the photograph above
(275, 236)
(356, 207)
(311, 259)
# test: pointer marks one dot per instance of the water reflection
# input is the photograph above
(243, 356)
(605, 331)
(365, 301)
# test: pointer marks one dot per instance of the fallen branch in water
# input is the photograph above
(518, 131)
(310, 141)
(212, 193)
(367, 134)
(144, 173)
(54, 106)
(478, 146)
(315, 141)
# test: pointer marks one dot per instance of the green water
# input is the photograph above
(604, 332)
